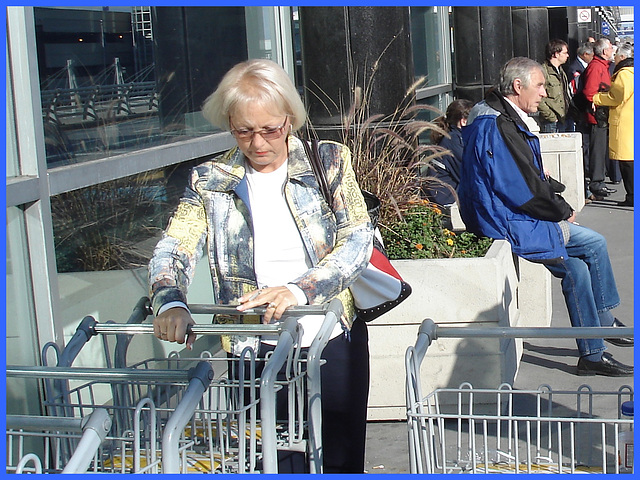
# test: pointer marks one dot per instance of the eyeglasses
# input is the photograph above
(268, 133)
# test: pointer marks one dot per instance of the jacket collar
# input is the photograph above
(497, 101)
(599, 59)
(229, 169)
(627, 62)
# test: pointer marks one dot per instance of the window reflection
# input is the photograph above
(427, 43)
(116, 79)
(115, 225)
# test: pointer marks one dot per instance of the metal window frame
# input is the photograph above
(30, 191)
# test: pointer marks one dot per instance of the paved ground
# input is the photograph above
(544, 361)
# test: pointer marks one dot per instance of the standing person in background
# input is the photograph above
(576, 117)
(272, 240)
(554, 107)
(446, 169)
(577, 106)
(596, 79)
(619, 99)
(584, 55)
(504, 194)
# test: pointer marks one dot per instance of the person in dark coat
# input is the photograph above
(445, 170)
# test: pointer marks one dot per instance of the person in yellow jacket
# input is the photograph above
(620, 100)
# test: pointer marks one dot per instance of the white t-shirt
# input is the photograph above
(279, 252)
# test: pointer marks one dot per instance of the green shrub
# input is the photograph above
(422, 235)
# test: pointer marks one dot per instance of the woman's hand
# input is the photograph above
(277, 299)
(171, 325)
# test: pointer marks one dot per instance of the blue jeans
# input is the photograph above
(553, 127)
(588, 284)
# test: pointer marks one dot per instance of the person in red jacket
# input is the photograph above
(596, 78)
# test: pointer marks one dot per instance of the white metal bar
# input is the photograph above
(200, 378)
(314, 394)
(95, 430)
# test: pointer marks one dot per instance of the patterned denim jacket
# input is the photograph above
(214, 215)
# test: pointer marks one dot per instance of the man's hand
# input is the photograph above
(171, 325)
(572, 218)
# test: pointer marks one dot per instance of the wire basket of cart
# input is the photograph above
(503, 430)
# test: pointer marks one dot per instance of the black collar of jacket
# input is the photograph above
(627, 62)
(497, 101)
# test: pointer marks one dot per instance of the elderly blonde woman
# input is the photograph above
(272, 240)
(619, 99)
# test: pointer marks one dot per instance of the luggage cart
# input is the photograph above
(218, 431)
(526, 431)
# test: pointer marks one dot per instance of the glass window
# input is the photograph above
(21, 339)
(117, 79)
(115, 225)
(430, 44)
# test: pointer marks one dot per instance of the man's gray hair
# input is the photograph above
(626, 50)
(517, 67)
(600, 45)
(585, 48)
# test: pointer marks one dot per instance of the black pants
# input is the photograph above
(626, 171)
(598, 150)
(345, 391)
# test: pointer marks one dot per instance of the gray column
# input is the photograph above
(530, 32)
(483, 43)
(347, 46)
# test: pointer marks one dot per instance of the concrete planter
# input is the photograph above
(562, 156)
(458, 292)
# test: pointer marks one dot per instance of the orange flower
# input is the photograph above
(419, 246)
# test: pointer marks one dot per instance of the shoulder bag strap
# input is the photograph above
(318, 169)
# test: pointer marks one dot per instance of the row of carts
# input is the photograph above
(223, 414)
(211, 414)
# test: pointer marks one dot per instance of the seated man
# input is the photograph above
(504, 194)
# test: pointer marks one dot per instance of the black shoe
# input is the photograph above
(626, 203)
(620, 342)
(601, 192)
(609, 190)
(607, 366)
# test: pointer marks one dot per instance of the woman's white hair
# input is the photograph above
(255, 82)
(625, 50)
(517, 67)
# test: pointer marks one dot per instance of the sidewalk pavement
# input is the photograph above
(544, 361)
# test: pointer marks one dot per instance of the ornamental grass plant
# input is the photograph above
(388, 158)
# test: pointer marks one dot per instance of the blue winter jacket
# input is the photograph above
(503, 192)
